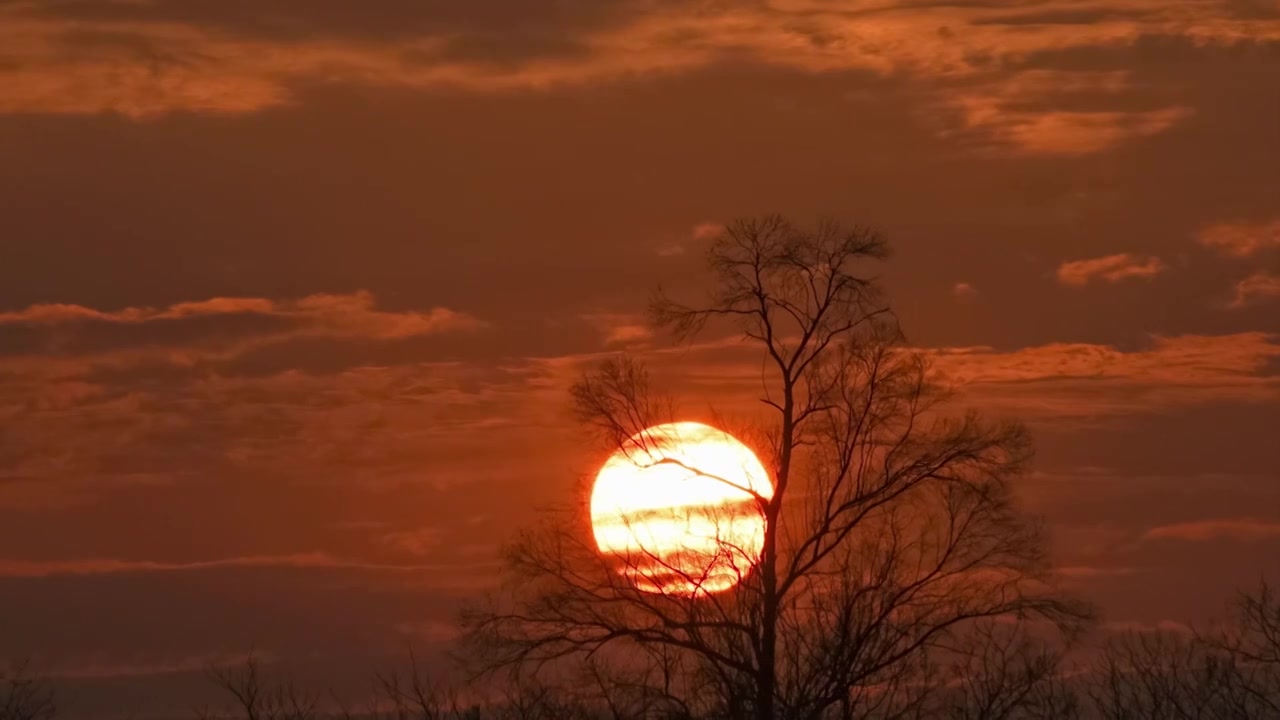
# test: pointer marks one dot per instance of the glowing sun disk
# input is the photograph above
(676, 509)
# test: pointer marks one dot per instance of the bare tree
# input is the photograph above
(889, 530)
(1253, 642)
(1006, 674)
(258, 698)
(1166, 674)
(23, 695)
(1232, 671)
(415, 696)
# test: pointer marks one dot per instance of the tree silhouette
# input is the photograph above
(23, 695)
(889, 534)
(1232, 672)
(257, 697)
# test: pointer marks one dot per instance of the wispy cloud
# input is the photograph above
(1258, 286)
(621, 329)
(148, 62)
(1089, 572)
(111, 566)
(338, 314)
(1020, 111)
(1054, 380)
(1241, 239)
(1240, 529)
(107, 668)
(1136, 626)
(707, 231)
(50, 335)
(1066, 379)
(698, 234)
(1110, 268)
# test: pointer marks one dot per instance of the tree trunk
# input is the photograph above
(766, 681)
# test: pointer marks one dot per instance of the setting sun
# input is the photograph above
(677, 508)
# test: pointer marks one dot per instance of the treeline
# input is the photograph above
(1228, 672)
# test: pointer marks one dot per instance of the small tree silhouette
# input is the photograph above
(23, 695)
(257, 697)
(1230, 672)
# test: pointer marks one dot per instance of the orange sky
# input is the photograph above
(291, 291)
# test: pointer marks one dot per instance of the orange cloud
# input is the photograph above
(1185, 359)
(1067, 379)
(1241, 239)
(184, 66)
(1111, 268)
(352, 314)
(419, 541)
(1056, 380)
(61, 340)
(1089, 572)
(1257, 286)
(1016, 112)
(621, 329)
(700, 233)
(190, 664)
(383, 425)
(1242, 530)
(707, 231)
(36, 569)
(1135, 626)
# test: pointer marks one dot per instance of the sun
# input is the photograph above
(676, 509)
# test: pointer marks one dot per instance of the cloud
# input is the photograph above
(1258, 286)
(700, 233)
(1089, 572)
(221, 327)
(406, 422)
(1111, 268)
(1040, 112)
(145, 60)
(1241, 239)
(429, 631)
(419, 541)
(1185, 359)
(1055, 382)
(1050, 381)
(1136, 626)
(1241, 530)
(150, 431)
(1077, 133)
(628, 334)
(707, 231)
(1067, 379)
(111, 566)
(621, 329)
(340, 314)
(99, 669)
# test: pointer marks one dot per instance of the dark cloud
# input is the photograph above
(1155, 53)
(218, 328)
(292, 20)
(1063, 16)
(1253, 9)
(79, 336)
